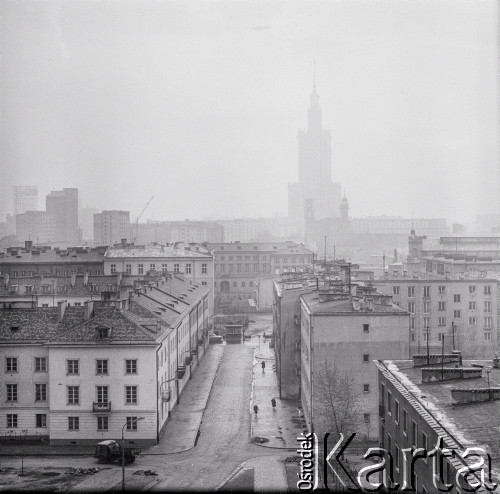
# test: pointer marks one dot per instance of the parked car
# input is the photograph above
(110, 450)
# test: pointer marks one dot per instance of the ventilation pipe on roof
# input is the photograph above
(61, 309)
(88, 309)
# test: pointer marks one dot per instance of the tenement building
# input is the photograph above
(244, 272)
(341, 334)
(460, 313)
(444, 409)
(79, 374)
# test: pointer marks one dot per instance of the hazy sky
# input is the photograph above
(199, 103)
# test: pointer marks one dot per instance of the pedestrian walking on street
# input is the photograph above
(263, 364)
(273, 403)
(255, 409)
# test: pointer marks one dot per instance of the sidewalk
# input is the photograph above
(181, 430)
(278, 428)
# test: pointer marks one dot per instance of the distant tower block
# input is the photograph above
(415, 245)
(344, 209)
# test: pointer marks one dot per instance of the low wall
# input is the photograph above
(475, 395)
(434, 359)
(436, 374)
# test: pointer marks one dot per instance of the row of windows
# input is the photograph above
(441, 321)
(441, 290)
(152, 267)
(59, 274)
(73, 422)
(73, 394)
(426, 309)
(72, 365)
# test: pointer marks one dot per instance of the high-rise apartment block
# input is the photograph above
(37, 226)
(315, 189)
(111, 227)
(24, 198)
(63, 205)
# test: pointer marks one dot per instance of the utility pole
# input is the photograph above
(427, 331)
(442, 356)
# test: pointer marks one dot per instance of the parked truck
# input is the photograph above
(110, 450)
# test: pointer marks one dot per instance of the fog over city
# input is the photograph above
(200, 103)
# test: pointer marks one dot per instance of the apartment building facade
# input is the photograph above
(77, 375)
(462, 311)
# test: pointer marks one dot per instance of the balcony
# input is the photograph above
(101, 407)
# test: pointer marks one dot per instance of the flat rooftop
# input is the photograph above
(150, 251)
(472, 424)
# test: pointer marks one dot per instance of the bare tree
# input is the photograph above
(336, 401)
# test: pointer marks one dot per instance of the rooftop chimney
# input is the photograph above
(88, 309)
(61, 309)
(73, 278)
(85, 279)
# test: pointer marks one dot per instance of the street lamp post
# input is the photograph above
(24, 431)
(489, 390)
(123, 448)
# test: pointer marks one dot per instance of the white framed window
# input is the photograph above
(131, 423)
(40, 364)
(140, 268)
(72, 367)
(102, 423)
(427, 308)
(41, 392)
(457, 314)
(487, 322)
(176, 268)
(487, 289)
(41, 420)
(441, 306)
(128, 268)
(11, 420)
(101, 366)
(188, 268)
(73, 395)
(442, 289)
(11, 392)
(441, 321)
(11, 364)
(131, 395)
(487, 306)
(411, 307)
(427, 291)
(487, 336)
(113, 268)
(411, 291)
(395, 290)
(74, 423)
(472, 289)
(203, 269)
(472, 305)
(131, 366)
(472, 321)
(456, 298)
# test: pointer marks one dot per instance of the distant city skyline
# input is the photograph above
(197, 105)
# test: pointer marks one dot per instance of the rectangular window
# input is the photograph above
(72, 367)
(472, 305)
(11, 420)
(74, 423)
(41, 420)
(389, 402)
(128, 268)
(131, 423)
(472, 321)
(414, 432)
(440, 337)
(11, 392)
(131, 395)
(395, 290)
(102, 423)
(412, 323)
(427, 291)
(396, 457)
(203, 269)
(487, 323)
(366, 328)
(204, 283)
(366, 358)
(101, 366)
(140, 268)
(427, 307)
(487, 290)
(411, 291)
(487, 336)
(441, 321)
(472, 289)
(396, 411)
(411, 307)
(40, 392)
(441, 306)
(424, 440)
(164, 267)
(442, 289)
(73, 395)
(176, 268)
(40, 364)
(457, 314)
(456, 297)
(113, 268)
(366, 418)
(366, 388)
(102, 394)
(405, 421)
(11, 364)
(487, 306)
(131, 366)
(152, 267)
(188, 268)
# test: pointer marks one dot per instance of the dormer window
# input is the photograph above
(103, 332)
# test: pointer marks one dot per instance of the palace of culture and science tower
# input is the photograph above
(314, 196)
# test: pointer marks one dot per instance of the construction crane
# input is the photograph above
(139, 217)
